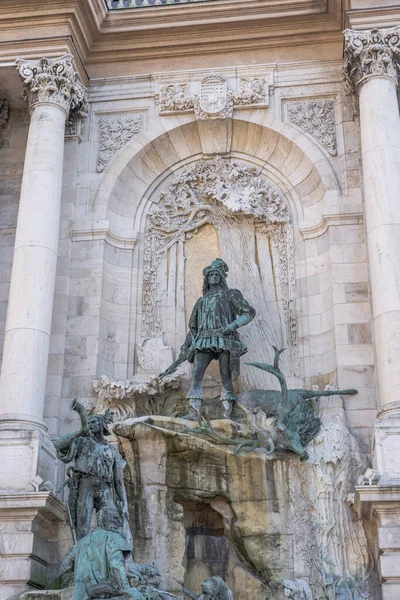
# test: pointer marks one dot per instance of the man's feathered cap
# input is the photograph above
(217, 265)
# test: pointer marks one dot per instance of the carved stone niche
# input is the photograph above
(250, 221)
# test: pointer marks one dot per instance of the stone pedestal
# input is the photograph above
(29, 526)
(380, 505)
(198, 509)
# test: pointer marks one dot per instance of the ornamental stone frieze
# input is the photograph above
(317, 118)
(211, 98)
(53, 80)
(3, 115)
(115, 132)
(371, 53)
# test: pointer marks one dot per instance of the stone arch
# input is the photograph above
(289, 157)
(281, 153)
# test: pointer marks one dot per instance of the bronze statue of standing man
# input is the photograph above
(213, 336)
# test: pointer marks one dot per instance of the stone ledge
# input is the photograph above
(20, 505)
(29, 525)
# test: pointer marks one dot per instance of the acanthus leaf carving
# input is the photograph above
(317, 118)
(115, 132)
(369, 53)
(53, 80)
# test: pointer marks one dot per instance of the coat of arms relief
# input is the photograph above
(212, 97)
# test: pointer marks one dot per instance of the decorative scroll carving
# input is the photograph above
(115, 132)
(53, 80)
(368, 53)
(316, 117)
(226, 195)
(3, 115)
(211, 98)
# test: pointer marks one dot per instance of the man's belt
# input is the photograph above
(210, 333)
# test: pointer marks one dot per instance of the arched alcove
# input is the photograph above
(143, 173)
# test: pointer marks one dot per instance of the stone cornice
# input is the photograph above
(53, 80)
(371, 53)
(88, 231)
(102, 40)
(370, 17)
(315, 231)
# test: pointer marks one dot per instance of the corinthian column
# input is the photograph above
(52, 90)
(371, 69)
(372, 62)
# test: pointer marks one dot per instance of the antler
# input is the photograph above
(275, 370)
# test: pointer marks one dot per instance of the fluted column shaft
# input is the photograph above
(52, 89)
(371, 60)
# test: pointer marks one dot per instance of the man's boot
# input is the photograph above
(194, 412)
(227, 399)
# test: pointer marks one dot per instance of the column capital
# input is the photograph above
(53, 80)
(373, 53)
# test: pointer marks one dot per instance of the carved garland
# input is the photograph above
(206, 193)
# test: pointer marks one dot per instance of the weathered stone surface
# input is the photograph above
(198, 509)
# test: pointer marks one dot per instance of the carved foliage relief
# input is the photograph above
(115, 132)
(246, 211)
(317, 118)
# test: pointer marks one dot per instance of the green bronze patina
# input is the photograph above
(213, 336)
(213, 588)
(296, 423)
(95, 478)
(103, 565)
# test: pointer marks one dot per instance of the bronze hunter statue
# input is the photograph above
(95, 481)
(213, 336)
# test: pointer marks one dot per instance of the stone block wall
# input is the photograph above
(110, 185)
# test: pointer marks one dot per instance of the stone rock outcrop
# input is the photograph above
(253, 519)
